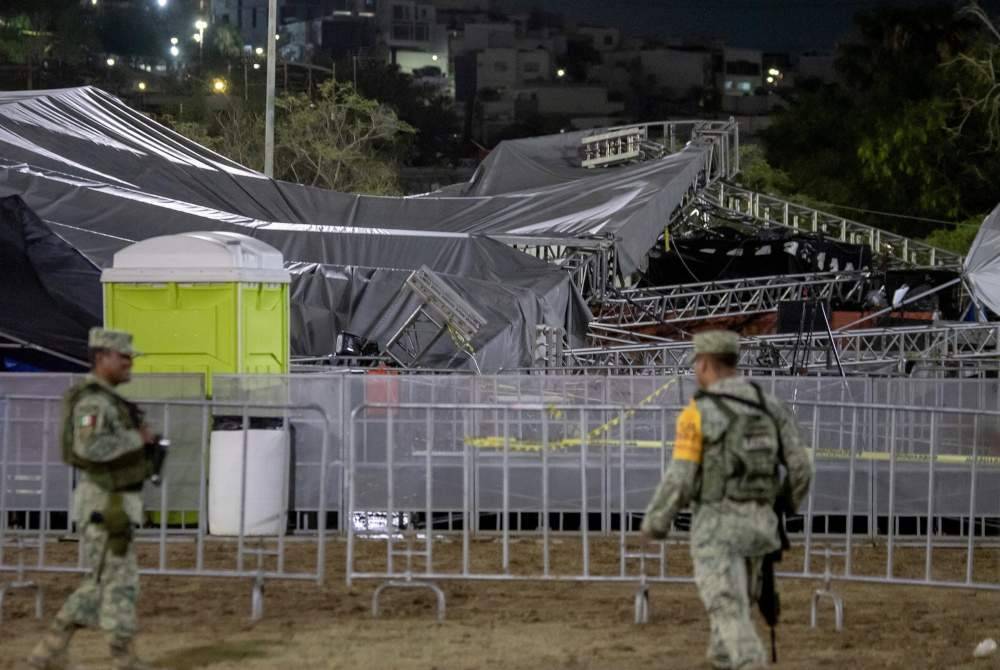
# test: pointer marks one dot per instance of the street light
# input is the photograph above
(200, 24)
(173, 40)
(770, 80)
(110, 62)
(774, 72)
(161, 3)
(560, 73)
(259, 51)
(174, 51)
(196, 37)
(434, 57)
(219, 85)
(142, 86)
(256, 66)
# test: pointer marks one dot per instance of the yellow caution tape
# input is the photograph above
(593, 439)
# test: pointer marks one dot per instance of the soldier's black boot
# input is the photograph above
(51, 653)
(123, 655)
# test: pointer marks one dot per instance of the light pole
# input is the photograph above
(272, 60)
(200, 25)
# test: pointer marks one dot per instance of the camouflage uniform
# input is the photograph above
(729, 539)
(100, 432)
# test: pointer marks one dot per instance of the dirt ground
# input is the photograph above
(202, 623)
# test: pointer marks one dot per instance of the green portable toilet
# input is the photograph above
(211, 302)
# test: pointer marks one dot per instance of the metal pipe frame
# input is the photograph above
(878, 346)
(735, 297)
(769, 210)
(913, 454)
(160, 536)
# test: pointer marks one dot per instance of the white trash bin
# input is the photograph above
(266, 482)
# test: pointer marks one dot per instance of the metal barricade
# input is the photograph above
(909, 488)
(36, 493)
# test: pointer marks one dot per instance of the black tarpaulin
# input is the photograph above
(102, 176)
(526, 188)
(733, 255)
(51, 294)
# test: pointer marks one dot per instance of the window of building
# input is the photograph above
(225, 18)
(609, 40)
(499, 66)
(729, 84)
(422, 32)
(400, 13)
(745, 86)
(402, 31)
(531, 67)
(253, 17)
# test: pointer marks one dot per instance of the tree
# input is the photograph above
(337, 140)
(957, 238)
(436, 136)
(894, 136)
(43, 35)
(978, 90)
(341, 141)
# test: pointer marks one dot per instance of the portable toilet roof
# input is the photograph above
(197, 257)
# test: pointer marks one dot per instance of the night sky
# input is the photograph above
(781, 25)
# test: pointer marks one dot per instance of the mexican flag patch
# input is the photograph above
(88, 420)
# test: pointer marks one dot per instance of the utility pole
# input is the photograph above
(272, 61)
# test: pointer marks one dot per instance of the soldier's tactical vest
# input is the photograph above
(740, 464)
(125, 473)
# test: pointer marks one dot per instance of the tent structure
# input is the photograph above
(100, 175)
(982, 264)
(51, 294)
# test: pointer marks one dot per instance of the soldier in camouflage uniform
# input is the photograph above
(727, 461)
(104, 436)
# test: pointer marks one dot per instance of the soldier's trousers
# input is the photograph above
(728, 586)
(108, 594)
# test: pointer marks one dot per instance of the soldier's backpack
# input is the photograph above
(743, 464)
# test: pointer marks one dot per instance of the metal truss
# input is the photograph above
(649, 141)
(442, 308)
(768, 210)
(804, 351)
(592, 261)
(650, 306)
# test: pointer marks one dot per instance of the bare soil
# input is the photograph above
(202, 623)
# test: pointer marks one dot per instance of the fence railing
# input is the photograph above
(516, 477)
(36, 493)
(917, 483)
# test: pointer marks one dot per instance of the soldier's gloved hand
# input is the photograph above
(147, 434)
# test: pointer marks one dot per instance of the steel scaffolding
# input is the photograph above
(655, 305)
(768, 210)
(819, 349)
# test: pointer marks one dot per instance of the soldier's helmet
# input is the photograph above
(718, 342)
(112, 340)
